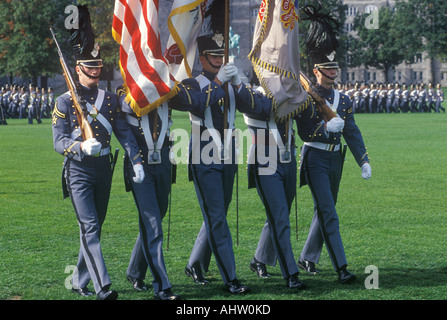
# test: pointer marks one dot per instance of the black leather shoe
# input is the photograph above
(294, 283)
(345, 277)
(85, 292)
(259, 268)
(235, 287)
(166, 295)
(107, 295)
(308, 266)
(137, 284)
(196, 274)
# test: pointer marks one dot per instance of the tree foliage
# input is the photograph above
(382, 48)
(27, 49)
(26, 46)
(410, 28)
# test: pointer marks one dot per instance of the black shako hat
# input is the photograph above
(321, 42)
(82, 39)
(212, 44)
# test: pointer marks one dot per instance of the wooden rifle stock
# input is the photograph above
(322, 107)
(80, 109)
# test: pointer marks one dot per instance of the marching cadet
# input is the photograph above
(33, 107)
(14, 99)
(431, 98)
(389, 98)
(87, 171)
(272, 170)
(381, 100)
(422, 99)
(213, 176)
(44, 107)
(364, 102)
(372, 98)
(213, 181)
(2, 109)
(320, 169)
(350, 91)
(414, 94)
(439, 98)
(397, 98)
(6, 96)
(405, 102)
(151, 132)
(356, 99)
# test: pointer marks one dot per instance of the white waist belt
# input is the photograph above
(323, 146)
(103, 152)
(255, 123)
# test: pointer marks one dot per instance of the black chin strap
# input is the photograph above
(214, 66)
(324, 74)
(85, 73)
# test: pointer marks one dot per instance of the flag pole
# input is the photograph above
(227, 57)
(226, 104)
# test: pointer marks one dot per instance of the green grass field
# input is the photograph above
(396, 221)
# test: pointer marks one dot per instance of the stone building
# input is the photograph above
(418, 72)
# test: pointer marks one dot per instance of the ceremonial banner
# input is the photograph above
(145, 71)
(184, 23)
(276, 58)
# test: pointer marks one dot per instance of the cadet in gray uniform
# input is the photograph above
(2, 109)
(272, 170)
(34, 106)
(151, 132)
(439, 98)
(87, 172)
(214, 176)
(321, 165)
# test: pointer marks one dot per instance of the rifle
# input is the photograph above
(322, 107)
(78, 102)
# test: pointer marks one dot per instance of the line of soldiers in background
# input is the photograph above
(19, 102)
(389, 98)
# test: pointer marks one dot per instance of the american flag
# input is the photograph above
(145, 71)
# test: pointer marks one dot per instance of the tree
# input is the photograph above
(27, 49)
(382, 48)
(427, 21)
(26, 45)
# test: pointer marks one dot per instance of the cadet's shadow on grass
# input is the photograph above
(386, 278)
(318, 285)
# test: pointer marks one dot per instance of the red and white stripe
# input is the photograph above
(145, 71)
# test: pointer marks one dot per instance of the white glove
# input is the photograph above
(235, 79)
(366, 171)
(335, 125)
(139, 173)
(222, 75)
(91, 146)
